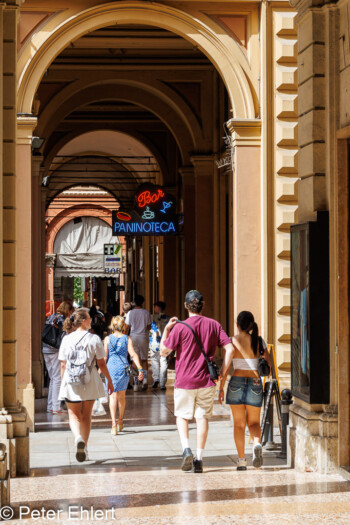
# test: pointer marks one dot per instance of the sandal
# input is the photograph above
(120, 426)
(114, 430)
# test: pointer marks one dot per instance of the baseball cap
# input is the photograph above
(193, 294)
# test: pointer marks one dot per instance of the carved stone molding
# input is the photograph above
(50, 259)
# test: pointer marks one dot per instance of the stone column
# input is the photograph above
(189, 205)
(14, 442)
(247, 212)
(38, 294)
(26, 307)
(204, 169)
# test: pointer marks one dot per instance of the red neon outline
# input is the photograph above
(146, 197)
(122, 216)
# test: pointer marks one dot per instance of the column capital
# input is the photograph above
(202, 163)
(50, 259)
(187, 175)
(25, 127)
(245, 132)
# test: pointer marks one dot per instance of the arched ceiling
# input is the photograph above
(110, 159)
(137, 81)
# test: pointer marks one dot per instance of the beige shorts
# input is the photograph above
(196, 403)
(141, 346)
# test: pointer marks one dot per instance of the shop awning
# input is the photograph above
(79, 248)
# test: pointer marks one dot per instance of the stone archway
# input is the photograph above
(224, 54)
(199, 172)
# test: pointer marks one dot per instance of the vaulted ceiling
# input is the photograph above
(150, 84)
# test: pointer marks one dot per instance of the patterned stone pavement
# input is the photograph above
(134, 478)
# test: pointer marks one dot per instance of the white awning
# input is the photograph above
(79, 247)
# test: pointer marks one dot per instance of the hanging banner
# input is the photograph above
(154, 213)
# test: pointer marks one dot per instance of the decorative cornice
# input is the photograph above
(302, 6)
(25, 127)
(245, 132)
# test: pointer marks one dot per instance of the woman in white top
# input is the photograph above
(81, 393)
(244, 392)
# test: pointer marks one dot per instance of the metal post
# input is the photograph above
(268, 431)
(286, 401)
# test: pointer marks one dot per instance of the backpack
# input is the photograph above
(78, 371)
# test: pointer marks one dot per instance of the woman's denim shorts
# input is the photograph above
(245, 391)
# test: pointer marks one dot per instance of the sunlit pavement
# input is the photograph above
(135, 477)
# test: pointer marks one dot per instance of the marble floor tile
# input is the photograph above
(137, 475)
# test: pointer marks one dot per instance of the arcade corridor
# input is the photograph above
(137, 474)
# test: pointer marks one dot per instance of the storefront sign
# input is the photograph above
(154, 213)
(113, 258)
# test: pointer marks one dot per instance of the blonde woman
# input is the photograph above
(117, 347)
(52, 363)
(81, 383)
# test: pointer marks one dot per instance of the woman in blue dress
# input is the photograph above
(117, 347)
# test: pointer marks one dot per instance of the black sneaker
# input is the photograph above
(163, 387)
(197, 466)
(155, 384)
(187, 460)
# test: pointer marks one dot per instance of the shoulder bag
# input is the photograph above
(212, 366)
(52, 335)
(263, 366)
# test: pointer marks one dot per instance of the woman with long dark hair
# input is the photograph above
(244, 392)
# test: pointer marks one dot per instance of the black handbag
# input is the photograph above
(52, 335)
(212, 366)
(263, 366)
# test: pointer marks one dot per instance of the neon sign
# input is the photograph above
(148, 214)
(147, 228)
(146, 197)
(166, 205)
(154, 214)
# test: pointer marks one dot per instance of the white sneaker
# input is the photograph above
(257, 456)
(242, 464)
(80, 453)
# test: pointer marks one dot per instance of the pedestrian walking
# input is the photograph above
(244, 391)
(117, 348)
(98, 321)
(194, 390)
(81, 384)
(159, 363)
(138, 323)
(52, 362)
(126, 308)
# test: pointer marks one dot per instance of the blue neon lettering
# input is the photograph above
(147, 227)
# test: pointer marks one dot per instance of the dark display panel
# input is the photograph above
(310, 310)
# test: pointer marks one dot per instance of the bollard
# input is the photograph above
(267, 438)
(286, 396)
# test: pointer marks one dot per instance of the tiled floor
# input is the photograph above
(134, 478)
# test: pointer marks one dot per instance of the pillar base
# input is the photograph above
(313, 439)
(26, 397)
(37, 378)
(5, 488)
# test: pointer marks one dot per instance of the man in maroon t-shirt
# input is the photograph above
(194, 390)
